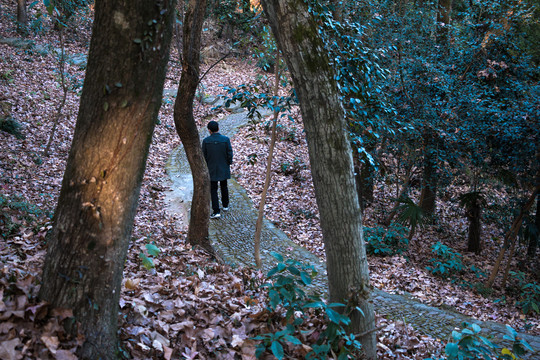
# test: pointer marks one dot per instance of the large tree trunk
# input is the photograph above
(186, 127)
(331, 161)
(94, 217)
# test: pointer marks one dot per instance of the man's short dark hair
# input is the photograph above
(213, 126)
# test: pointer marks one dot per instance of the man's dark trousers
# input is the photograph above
(214, 194)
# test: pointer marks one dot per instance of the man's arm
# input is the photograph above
(229, 152)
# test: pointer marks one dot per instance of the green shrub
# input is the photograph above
(529, 293)
(386, 242)
(17, 212)
(447, 261)
(12, 127)
(293, 169)
(287, 295)
(469, 344)
(7, 76)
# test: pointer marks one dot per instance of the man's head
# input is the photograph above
(213, 126)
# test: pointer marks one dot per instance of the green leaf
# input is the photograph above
(274, 298)
(306, 279)
(476, 328)
(272, 271)
(277, 350)
(260, 350)
(277, 256)
(451, 350)
(334, 316)
(525, 344)
(293, 270)
(152, 249)
(146, 261)
(118, 84)
(511, 331)
(316, 304)
(137, 41)
(106, 106)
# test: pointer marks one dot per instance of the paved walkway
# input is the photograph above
(232, 237)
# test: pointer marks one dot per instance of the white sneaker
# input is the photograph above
(226, 208)
(215, 216)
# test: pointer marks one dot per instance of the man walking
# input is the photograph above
(218, 154)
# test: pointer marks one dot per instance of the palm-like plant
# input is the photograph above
(411, 214)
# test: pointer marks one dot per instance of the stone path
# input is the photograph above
(232, 237)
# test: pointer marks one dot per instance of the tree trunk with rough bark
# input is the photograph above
(94, 217)
(187, 128)
(331, 161)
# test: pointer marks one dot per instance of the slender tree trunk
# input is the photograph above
(533, 242)
(474, 213)
(508, 263)
(94, 217)
(337, 11)
(22, 18)
(258, 225)
(186, 127)
(511, 235)
(58, 114)
(364, 179)
(444, 9)
(430, 179)
(405, 188)
(331, 161)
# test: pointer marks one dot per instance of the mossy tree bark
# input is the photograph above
(187, 128)
(331, 161)
(94, 217)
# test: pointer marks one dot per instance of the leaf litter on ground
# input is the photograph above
(186, 305)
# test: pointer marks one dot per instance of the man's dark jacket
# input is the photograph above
(218, 154)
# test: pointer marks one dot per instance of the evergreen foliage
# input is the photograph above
(469, 344)
(288, 299)
(386, 242)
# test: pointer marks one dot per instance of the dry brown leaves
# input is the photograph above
(188, 306)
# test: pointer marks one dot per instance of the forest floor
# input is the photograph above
(189, 306)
